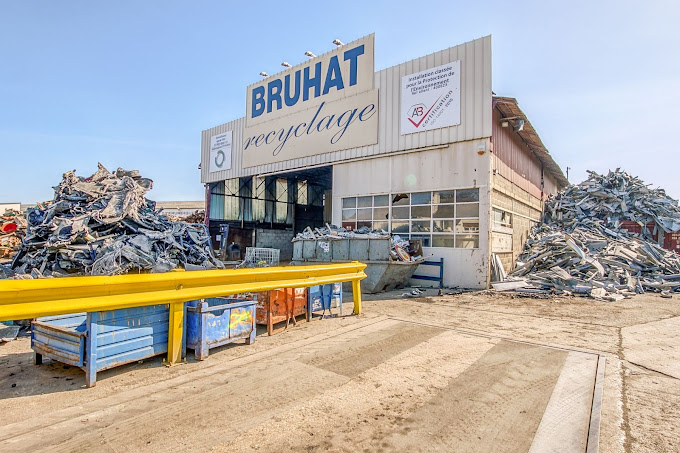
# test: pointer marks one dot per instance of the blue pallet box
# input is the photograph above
(218, 321)
(324, 297)
(101, 340)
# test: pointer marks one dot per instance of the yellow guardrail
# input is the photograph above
(26, 299)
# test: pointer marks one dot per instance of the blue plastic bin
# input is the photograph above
(219, 321)
(324, 297)
(101, 340)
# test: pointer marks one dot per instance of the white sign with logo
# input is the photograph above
(430, 99)
(220, 152)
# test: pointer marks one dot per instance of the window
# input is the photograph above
(232, 207)
(281, 200)
(258, 198)
(217, 200)
(501, 219)
(369, 211)
(448, 218)
(302, 192)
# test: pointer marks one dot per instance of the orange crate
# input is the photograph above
(280, 305)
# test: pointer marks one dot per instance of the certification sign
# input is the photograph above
(220, 152)
(430, 99)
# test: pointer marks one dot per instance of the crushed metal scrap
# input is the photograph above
(583, 248)
(400, 249)
(104, 225)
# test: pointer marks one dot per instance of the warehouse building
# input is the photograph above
(422, 149)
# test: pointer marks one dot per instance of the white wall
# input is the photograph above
(455, 166)
(5, 206)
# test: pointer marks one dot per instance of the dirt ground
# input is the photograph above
(468, 372)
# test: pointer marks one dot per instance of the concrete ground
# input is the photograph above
(469, 372)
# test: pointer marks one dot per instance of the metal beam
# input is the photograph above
(21, 291)
(27, 299)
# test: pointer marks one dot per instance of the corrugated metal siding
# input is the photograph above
(549, 185)
(526, 213)
(513, 160)
(476, 116)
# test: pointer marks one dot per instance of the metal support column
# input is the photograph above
(175, 331)
(356, 295)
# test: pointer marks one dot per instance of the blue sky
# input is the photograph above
(132, 84)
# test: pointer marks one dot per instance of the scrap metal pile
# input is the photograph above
(12, 230)
(582, 248)
(104, 225)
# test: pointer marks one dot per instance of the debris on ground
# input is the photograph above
(415, 292)
(104, 225)
(12, 230)
(400, 249)
(582, 247)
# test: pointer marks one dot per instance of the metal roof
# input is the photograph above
(510, 109)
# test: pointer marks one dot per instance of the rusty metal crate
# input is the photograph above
(280, 305)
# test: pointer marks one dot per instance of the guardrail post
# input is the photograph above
(175, 331)
(356, 294)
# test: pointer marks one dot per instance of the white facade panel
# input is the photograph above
(456, 166)
(6, 206)
(475, 57)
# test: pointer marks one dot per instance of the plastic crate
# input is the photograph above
(259, 255)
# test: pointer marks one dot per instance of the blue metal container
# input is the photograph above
(101, 340)
(219, 321)
(324, 297)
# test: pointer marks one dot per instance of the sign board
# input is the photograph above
(220, 152)
(346, 123)
(430, 99)
(325, 104)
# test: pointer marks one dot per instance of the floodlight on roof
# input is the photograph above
(519, 125)
(310, 54)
